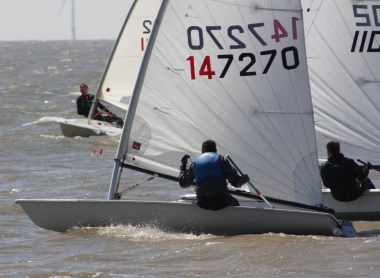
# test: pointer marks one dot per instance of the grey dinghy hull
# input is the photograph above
(80, 127)
(61, 215)
(366, 208)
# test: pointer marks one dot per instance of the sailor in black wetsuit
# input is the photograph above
(84, 103)
(209, 172)
(346, 180)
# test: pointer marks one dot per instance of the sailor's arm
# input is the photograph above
(361, 175)
(232, 175)
(186, 176)
(324, 175)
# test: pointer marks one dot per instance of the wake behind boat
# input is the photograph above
(342, 42)
(233, 71)
(121, 72)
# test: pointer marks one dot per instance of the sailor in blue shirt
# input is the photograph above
(208, 173)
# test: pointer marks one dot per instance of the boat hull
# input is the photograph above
(366, 208)
(80, 127)
(62, 215)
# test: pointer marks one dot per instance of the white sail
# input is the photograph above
(123, 67)
(235, 72)
(342, 42)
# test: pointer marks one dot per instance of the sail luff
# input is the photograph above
(136, 93)
(130, 115)
(122, 148)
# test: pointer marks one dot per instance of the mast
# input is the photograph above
(123, 145)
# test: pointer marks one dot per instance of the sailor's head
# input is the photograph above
(209, 146)
(83, 88)
(332, 147)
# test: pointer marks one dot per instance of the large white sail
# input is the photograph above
(343, 49)
(233, 71)
(123, 67)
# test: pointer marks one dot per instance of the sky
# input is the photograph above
(51, 19)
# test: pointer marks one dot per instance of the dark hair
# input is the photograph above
(83, 85)
(333, 147)
(209, 146)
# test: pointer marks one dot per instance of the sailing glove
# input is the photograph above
(184, 162)
(245, 179)
(368, 165)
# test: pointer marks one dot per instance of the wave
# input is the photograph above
(44, 121)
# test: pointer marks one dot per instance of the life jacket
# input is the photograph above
(208, 167)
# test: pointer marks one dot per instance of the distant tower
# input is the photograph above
(73, 34)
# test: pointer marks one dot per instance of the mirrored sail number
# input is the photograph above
(363, 14)
(196, 32)
(249, 59)
(280, 32)
(147, 24)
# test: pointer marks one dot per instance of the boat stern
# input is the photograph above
(345, 230)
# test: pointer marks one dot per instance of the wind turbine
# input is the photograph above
(73, 35)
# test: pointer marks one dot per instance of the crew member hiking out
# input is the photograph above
(346, 180)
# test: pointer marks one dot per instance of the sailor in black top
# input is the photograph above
(346, 180)
(84, 103)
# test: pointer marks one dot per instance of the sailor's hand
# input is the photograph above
(368, 166)
(184, 162)
(246, 179)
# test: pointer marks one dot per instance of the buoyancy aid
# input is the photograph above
(208, 167)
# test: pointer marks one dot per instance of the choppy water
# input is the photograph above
(38, 85)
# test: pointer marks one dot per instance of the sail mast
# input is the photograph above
(110, 59)
(121, 152)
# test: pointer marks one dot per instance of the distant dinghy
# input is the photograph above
(121, 72)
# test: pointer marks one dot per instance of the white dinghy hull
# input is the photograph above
(80, 127)
(366, 208)
(62, 215)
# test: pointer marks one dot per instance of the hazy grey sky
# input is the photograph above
(44, 19)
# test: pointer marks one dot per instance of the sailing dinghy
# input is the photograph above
(119, 78)
(233, 71)
(343, 53)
